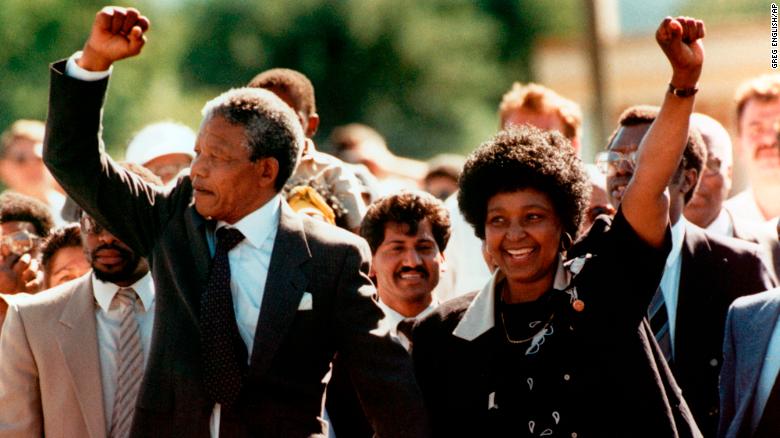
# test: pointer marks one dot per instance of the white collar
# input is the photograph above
(678, 235)
(257, 225)
(480, 316)
(104, 291)
(394, 317)
(722, 224)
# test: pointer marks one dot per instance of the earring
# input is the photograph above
(566, 242)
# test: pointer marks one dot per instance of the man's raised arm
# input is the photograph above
(131, 209)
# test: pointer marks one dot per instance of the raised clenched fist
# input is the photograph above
(117, 33)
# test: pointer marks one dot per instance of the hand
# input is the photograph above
(20, 274)
(680, 39)
(117, 33)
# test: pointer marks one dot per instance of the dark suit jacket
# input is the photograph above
(282, 394)
(626, 388)
(749, 327)
(715, 271)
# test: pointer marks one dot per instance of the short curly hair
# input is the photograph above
(271, 127)
(523, 158)
(291, 82)
(18, 207)
(66, 236)
(410, 208)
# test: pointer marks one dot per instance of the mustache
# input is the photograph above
(123, 252)
(407, 269)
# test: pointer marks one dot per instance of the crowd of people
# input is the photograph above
(240, 282)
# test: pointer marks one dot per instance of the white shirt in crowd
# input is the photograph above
(670, 282)
(743, 205)
(108, 316)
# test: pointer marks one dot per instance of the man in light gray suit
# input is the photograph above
(749, 390)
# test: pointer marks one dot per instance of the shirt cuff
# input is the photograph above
(73, 70)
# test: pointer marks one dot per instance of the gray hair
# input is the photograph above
(272, 129)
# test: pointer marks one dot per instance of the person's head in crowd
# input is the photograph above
(599, 201)
(360, 144)
(21, 166)
(619, 161)
(296, 90)
(248, 146)
(442, 178)
(62, 256)
(524, 191)
(758, 111)
(165, 148)
(543, 108)
(715, 182)
(24, 221)
(112, 260)
(407, 233)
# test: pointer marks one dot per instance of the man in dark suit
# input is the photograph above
(407, 233)
(704, 272)
(242, 342)
(749, 389)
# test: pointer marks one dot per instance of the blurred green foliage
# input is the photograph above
(427, 74)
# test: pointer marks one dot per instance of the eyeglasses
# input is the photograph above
(19, 242)
(90, 225)
(608, 161)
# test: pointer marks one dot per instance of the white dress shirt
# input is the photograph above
(108, 316)
(394, 318)
(249, 261)
(670, 282)
(768, 376)
(722, 225)
(743, 205)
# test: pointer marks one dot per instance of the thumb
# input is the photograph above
(136, 38)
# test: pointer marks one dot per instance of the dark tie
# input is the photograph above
(769, 425)
(659, 322)
(224, 352)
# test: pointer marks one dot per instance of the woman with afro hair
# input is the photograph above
(557, 343)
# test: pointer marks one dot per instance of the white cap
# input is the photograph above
(158, 139)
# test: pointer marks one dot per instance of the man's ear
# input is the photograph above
(690, 179)
(312, 125)
(267, 171)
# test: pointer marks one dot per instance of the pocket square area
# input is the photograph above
(306, 302)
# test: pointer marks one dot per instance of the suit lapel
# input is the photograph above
(77, 338)
(694, 285)
(196, 234)
(754, 343)
(283, 289)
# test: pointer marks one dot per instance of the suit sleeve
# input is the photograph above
(727, 377)
(379, 367)
(73, 152)
(20, 396)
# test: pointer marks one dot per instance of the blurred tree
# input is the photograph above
(143, 89)
(427, 74)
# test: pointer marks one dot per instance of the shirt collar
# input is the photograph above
(394, 317)
(722, 224)
(105, 291)
(678, 235)
(480, 316)
(257, 225)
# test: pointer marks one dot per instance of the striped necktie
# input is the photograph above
(130, 365)
(659, 322)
